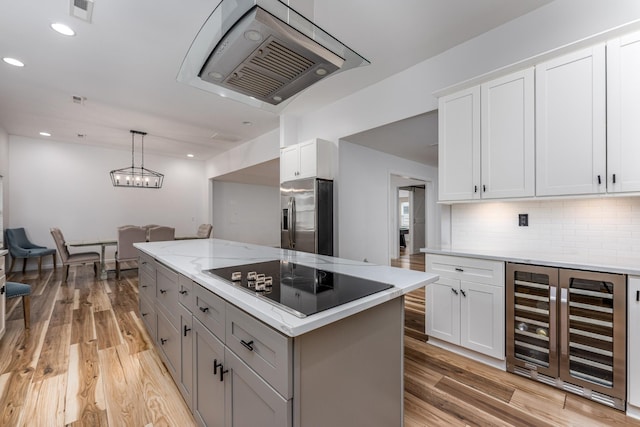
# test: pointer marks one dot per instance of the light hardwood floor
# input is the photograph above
(87, 361)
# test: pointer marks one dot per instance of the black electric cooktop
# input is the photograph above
(296, 288)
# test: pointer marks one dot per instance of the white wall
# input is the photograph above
(363, 200)
(4, 193)
(246, 213)
(265, 147)
(590, 228)
(55, 184)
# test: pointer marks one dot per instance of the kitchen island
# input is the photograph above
(240, 360)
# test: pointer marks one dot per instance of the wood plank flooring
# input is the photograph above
(87, 361)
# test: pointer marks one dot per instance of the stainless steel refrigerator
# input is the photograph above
(306, 215)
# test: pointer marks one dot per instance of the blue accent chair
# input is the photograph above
(15, 290)
(20, 247)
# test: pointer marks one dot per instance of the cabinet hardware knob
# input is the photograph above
(464, 294)
(163, 291)
(186, 330)
(475, 188)
(614, 178)
(599, 180)
(204, 309)
(162, 341)
(484, 188)
(247, 345)
(182, 292)
(459, 269)
(454, 291)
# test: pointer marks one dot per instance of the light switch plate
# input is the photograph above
(523, 220)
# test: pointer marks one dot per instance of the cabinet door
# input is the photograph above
(623, 110)
(208, 390)
(633, 337)
(507, 147)
(250, 400)
(482, 324)
(169, 344)
(443, 310)
(167, 293)
(308, 159)
(571, 124)
(289, 163)
(459, 149)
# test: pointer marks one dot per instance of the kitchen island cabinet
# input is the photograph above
(256, 364)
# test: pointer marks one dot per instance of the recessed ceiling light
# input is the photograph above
(63, 29)
(321, 72)
(277, 98)
(215, 75)
(190, 155)
(253, 35)
(247, 123)
(13, 61)
(45, 134)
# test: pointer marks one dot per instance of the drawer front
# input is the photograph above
(169, 344)
(265, 350)
(146, 264)
(147, 285)
(210, 310)
(167, 292)
(185, 292)
(470, 269)
(148, 316)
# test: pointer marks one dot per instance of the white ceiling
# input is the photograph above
(125, 62)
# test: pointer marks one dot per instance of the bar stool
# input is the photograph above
(15, 290)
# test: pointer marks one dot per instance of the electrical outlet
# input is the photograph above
(523, 220)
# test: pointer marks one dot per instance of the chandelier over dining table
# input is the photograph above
(136, 176)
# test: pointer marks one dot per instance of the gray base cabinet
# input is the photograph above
(233, 370)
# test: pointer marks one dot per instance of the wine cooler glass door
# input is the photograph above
(532, 318)
(593, 323)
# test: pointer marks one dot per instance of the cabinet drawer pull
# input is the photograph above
(484, 188)
(144, 286)
(475, 188)
(614, 178)
(162, 341)
(144, 314)
(182, 292)
(247, 345)
(637, 295)
(163, 291)
(599, 180)
(186, 330)
(464, 294)
(460, 269)
(203, 309)
(454, 291)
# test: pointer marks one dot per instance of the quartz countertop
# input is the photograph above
(612, 264)
(191, 257)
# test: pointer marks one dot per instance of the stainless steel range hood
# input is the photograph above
(261, 52)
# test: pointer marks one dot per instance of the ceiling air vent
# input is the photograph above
(82, 9)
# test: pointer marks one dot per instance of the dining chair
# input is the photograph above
(23, 290)
(125, 251)
(79, 258)
(20, 247)
(161, 234)
(148, 227)
(204, 231)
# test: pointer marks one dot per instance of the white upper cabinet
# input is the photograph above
(508, 146)
(309, 159)
(486, 147)
(623, 114)
(459, 145)
(571, 124)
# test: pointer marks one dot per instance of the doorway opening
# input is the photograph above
(408, 219)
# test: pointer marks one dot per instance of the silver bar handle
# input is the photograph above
(290, 219)
(564, 309)
(292, 226)
(552, 307)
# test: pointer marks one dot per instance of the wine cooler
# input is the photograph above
(567, 328)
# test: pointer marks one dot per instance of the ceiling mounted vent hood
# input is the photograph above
(262, 53)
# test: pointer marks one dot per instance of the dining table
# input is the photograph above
(103, 243)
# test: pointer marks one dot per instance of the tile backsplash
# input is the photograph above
(607, 226)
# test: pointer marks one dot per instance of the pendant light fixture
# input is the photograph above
(137, 177)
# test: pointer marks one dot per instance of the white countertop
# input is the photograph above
(191, 257)
(621, 265)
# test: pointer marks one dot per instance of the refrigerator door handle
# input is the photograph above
(292, 225)
(564, 321)
(552, 307)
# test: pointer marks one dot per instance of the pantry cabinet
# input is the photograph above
(623, 111)
(309, 159)
(486, 148)
(465, 306)
(571, 124)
